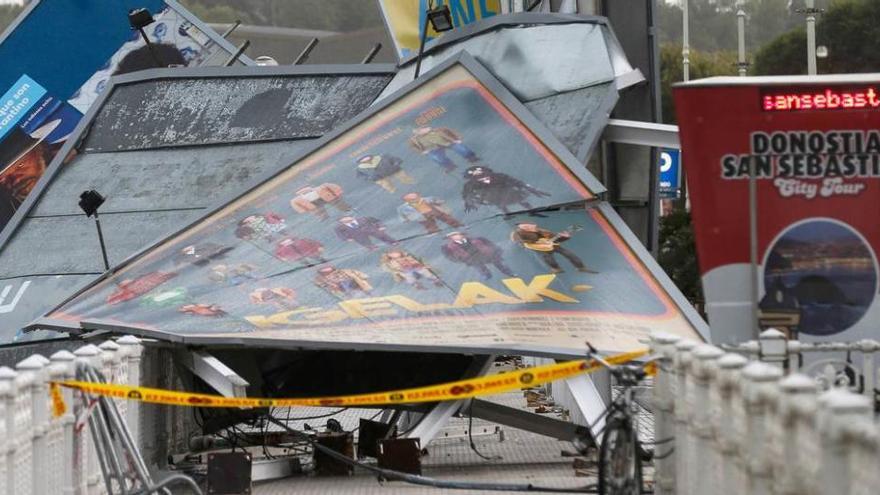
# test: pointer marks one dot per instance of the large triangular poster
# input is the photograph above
(445, 218)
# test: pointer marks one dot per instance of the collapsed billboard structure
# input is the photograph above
(443, 218)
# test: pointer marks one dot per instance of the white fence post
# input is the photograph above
(91, 470)
(22, 432)
(132, 352)
(35, 365)
(703, 366)
(683, 402)
(843, 413)
(664, 426)
(799, 453)
(7, 409)
(760, 387)
(774, 347)
(70, 467)
(729, 423)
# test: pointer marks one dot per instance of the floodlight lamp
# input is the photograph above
(90, 201)
(140, 18)
(440, 18)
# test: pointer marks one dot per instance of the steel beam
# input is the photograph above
(642, 133)
(216, 374)
(529, 421)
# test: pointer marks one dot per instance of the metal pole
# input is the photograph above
(421, 48)
(230, 29)
(101, 240)
(372, 54)
(150, 48)
(741, 42)
(304, 55)
(685, 42)
(753, 245)
(244, 46)
(811, 36)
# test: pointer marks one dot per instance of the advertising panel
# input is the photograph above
(814, 148)
(439, 220)
(405, 19)
(40, 109)
(33, 125)
(670, 173)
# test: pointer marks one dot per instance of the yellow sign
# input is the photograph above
(461, 389)
(406, 18)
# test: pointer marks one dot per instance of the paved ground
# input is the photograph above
(525, 458)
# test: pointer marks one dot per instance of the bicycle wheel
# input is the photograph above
(620, 465)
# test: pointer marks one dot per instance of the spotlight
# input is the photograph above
(89, 202)
(440, 18)
(140, 18)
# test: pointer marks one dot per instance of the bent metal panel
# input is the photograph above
(431, 222)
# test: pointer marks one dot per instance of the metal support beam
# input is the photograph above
(213, 372)
(436, 418)
(529, 421)
(587, 397)
(642, 133)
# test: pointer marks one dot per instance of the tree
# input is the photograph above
(849, 28)
(678, 254)
(702, 64)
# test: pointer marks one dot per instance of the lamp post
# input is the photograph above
(89, 202)
(810, 11)
(441, 20)
(685, 42)
(741, 63)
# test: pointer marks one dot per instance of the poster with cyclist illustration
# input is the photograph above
(439, 219)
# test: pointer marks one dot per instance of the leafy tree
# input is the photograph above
(678, 254)
(849, 28)
(702, 64)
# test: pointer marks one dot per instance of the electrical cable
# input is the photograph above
(471, 436)
(389, 474)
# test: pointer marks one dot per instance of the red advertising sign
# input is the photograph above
(814, 145)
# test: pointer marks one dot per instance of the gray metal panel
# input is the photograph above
(184, 112)
(27, 299)
(531, 61)
(69, 244)
(164, 179)
(578, 117)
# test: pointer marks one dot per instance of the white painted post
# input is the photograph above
(663, 345)
(62, 369)
(760, 387)
(869, 370)
(839, 425)
(35, 365)
(91, 481)
(796, 416)
(703, 366)
(133, 350)
(730, 425)
(774, 347)
(7, 433)
(22, 431)
(683, 401)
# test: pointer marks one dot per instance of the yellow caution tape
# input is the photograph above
(461, 389)
(58, 405)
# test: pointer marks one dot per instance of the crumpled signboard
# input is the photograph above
(433, 222)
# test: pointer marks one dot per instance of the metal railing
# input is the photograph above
(44, 454)
(765, 426)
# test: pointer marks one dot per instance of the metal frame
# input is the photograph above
(642, 133)
(209, 31)
(529, 421)
(82, 129)
(213, 372)
(482, 75)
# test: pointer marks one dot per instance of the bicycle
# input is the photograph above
(621, 452)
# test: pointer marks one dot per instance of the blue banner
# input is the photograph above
(17, 101)
(670, 173)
